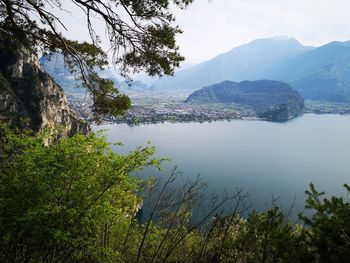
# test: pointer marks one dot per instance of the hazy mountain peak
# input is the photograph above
(338, 43)
(248, 61)
(283, 38)
(278, 40)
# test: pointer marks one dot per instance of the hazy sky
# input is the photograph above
(215, 26)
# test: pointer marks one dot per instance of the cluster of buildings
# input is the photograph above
(182, 112)
(82, 106)
(165, 112)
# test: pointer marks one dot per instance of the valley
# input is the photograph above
(159, 107)
(318, 74)
(166, 131)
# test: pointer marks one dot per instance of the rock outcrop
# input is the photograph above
(30, 99)
(271, 100)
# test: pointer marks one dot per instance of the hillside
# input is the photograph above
(246, 62)
(272, 100)
(30, 99)
(320, 74)
(55, 67)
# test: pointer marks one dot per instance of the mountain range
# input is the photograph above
(54, 65)
(317, 73)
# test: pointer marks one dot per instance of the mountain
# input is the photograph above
(272, 100)
(30, 99)
(320, 74)
(246, 62)
(55, 67)
(149, 80)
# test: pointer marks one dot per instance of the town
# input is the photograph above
(157, 109)
(172, 108)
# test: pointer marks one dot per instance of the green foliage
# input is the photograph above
(274, 239)
(261, 237)
(141, 35)
(66, 201)
(107, 100)
(329, 226)
(75, 201)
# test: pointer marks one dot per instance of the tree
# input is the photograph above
(328, 226)
(76, 201)
(141, 35)
(65, 202)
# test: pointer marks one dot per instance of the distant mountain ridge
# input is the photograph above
(321, 73)
(272, 100)
(246, 62)
(54, 65)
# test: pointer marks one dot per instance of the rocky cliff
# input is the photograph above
(30, 99)
(271, 100)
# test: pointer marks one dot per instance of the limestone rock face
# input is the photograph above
(29, 98)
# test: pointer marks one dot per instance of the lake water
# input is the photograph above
(262, 158)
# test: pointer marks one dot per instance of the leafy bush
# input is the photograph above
(75, 200)
(69, 201)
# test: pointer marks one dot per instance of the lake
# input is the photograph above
(262, 158)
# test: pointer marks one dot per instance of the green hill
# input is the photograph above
(272, 100)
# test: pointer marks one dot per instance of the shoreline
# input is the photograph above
(215, 120)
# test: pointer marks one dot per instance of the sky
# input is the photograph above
(212, 27)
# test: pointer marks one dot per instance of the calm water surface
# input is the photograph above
(262, 158)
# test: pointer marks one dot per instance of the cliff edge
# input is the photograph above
(30, 99)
